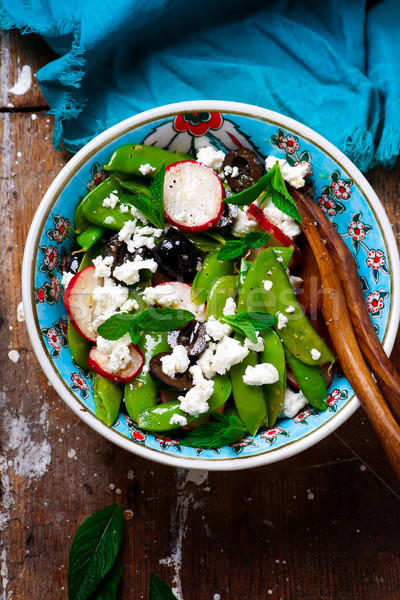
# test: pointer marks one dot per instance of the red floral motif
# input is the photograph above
(376, 259)
(51, 257)
(289, 143)
(327, 205)
(242, 443)
(310, 171)
(64, 264)
(63, 325)
(167, 441)
(97, 178)
(198, 123)
(79, 382)
(138, 436)
(356, 230)
(302, 416)
(61, 229)
(333, 397)
(272, 433)
(341, 189)
(374, 302)
(40, 295)
(54, 338)
(55, 288)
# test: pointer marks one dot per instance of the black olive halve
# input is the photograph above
(192, 336)
(248, 165)
(180, 383)
(120, 253)
(176, 256)
(228, 217)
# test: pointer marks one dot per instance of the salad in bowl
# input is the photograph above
(179, 318)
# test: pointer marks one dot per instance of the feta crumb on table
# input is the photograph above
(13, 355)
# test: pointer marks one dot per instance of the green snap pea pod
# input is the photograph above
(158, 417)
(131, 157)
(90, 254)
(243, 270)
(212, 270)
(99, 193)
(136, 187)
(225, 287)
(202, 242)
(297, 333)
(90, 236)
(284, 252)
(310, 381)
(78, 346)
(142, 392)
(111, 218)
(249, 400)
(107, 396)
(274, 354)
(80, 222)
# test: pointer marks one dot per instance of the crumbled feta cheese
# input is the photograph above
(293, 175)
(195, 401)
(146, 169)
(66, 278)
(243, 224)
(108, 298)
(210, 157)
(102, 266)
(136, 214)
(286, 224)
(267, 285)
(282, 320)
(261, 374)
(124, 208)
(129, 272)
(109, 220)
(163, 295)
(176, 362)
(216, 330)
(111, 201)
(290, 309)
(204, 362)
(13, 355)
(280, 259)
(292, 403)
(232, 171)
(117, 351)
(229, 308)
(315, 354)
(178, 420)
(136, 237)
(258, 346)
(20, 313)
(129, 305)
(228, 352)
(295, 282)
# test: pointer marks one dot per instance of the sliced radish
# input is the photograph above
(258, 214)
(79, 303)
(183, 292)
(193, 196)
(100, 363)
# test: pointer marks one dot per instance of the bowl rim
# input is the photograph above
(235, 108)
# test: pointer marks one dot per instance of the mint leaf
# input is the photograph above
(152, 205)
(234, 248)
(157, 193)
(280, 195)
(163, 319)
(116, 326)
(107, 588)
(248, 196)
(256, 239)
(93, 551)
(223, 431)
(158, 590)
(247, 323)
(135, 334)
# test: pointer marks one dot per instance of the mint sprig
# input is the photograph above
(151, 320)
(234, 248)
(159, 590)
(247, 323)
(220, 432)
(94, 551)
(152, 207)
(274, 184)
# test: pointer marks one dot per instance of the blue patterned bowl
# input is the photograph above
(340, 191)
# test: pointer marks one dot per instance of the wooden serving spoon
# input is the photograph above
(338, 320)
(385, 373)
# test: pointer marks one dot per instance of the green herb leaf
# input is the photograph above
(234, 248)
(163, 319)
(135, 334)
(256, 239)
(247, 323)
(280, 195)
(158, 590)
(117, 326)
(107, 588)
(94, 550)
(157, 193)
(226, 430)
(275, 186)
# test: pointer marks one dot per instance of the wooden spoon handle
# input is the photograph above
(338, 320)
(387, 376)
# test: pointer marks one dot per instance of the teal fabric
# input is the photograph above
(333, 65)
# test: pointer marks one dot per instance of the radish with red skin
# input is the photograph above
(193, 196)
(258, 215)
(79, 303)
(100, 363)
(183, 291)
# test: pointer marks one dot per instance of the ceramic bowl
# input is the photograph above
(341, 192)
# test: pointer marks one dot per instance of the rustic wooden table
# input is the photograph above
(324, 524)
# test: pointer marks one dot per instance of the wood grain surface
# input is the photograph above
(324, 524)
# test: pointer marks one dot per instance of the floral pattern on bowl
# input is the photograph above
(335, 192)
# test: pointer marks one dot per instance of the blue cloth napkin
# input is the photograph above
(333, 65)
